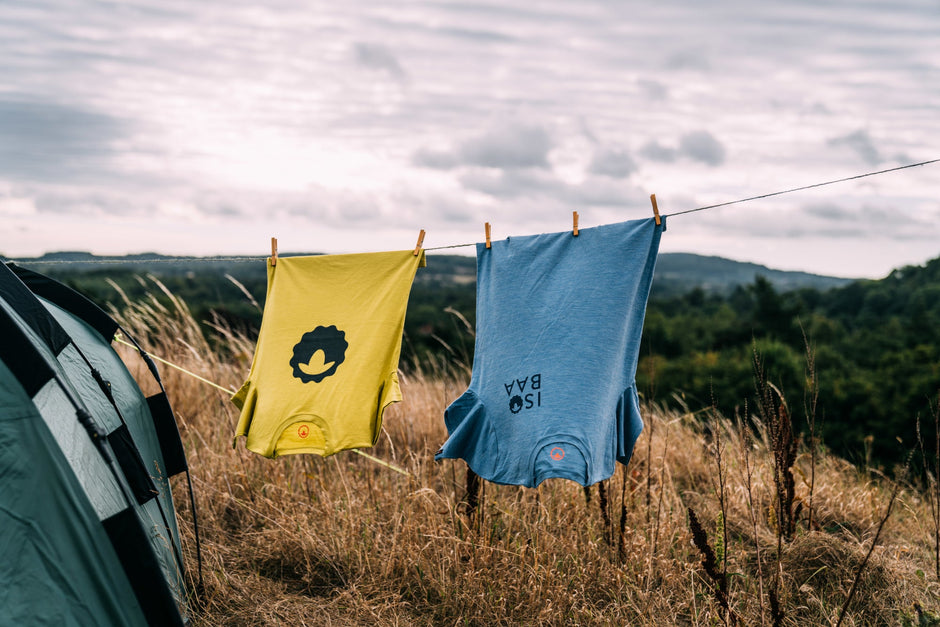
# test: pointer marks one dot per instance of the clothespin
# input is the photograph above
(575, 220)
(655, 209)
(273, 251)
(486, 226)
(420, 241)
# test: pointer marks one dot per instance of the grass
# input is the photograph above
(304, 540)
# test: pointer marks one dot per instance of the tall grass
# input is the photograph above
(304, 540)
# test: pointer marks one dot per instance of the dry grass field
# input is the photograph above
(304, 540)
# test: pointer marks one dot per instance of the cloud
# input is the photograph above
(508, 184)
(586, 131)
(653, 90)
(861, 143)
(702, 146)
(699, 146)
(47, 141)
(378, 57)
(834, 221)
(478, 35)
(542, 189)
(657, 152)
(605, 192)
(511, 161)
(11, 206)
(505, 147)
(613, 162)
(509, 146)
(78, 200)
(688, 60)
(435, 159)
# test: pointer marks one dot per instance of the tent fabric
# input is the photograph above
(68, 299)
(88, 531)
(58, 565)
(151, 424)
(31, 370)
(21, 300)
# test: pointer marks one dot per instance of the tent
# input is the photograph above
(88, 530)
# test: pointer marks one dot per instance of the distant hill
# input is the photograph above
(676, 273)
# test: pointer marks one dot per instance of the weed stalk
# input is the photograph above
(874, 542)
(710, 564)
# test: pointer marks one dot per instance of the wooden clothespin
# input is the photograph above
(273, 251)
(420, 241)
(486, 226)
(575, 220)
(655, 209)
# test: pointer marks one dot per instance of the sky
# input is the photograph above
(206, 128)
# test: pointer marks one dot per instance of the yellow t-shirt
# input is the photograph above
(325, 366)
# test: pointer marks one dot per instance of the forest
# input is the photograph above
(867, 353)
(858, 359)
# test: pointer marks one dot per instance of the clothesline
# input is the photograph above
(665, 215)
(805, 187)
(742, 200)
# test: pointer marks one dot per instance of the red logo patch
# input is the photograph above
(303, 431)
(557, 453)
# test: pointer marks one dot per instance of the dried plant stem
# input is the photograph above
(721, 496)
(659, 511)
(776, 612)
(935, 489)
(621, 540)
(813, 393)
(481, 512)
(874, 543)
(649, 506)
(746, 454)
(932, 489)
(473, 494)
(773, 410)
(709, 563)
(659, 500)
(605, 515)
(649, 474)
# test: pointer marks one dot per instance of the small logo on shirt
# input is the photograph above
(557, 453)
(524, 393)
(318, 354)
(303, 431)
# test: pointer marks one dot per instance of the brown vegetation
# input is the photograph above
(304, 540)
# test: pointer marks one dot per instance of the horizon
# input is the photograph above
(206, 129)
(143, 256)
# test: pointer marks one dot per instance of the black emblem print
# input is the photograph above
(524, 393)
(319, 353)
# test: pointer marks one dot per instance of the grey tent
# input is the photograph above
(88, 529)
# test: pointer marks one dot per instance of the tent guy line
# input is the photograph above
(676, 213)
(118, 339)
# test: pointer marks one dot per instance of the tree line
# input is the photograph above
(871, 350)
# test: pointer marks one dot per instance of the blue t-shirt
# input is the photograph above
(559, 320)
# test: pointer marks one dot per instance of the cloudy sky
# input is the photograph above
(208, 127)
